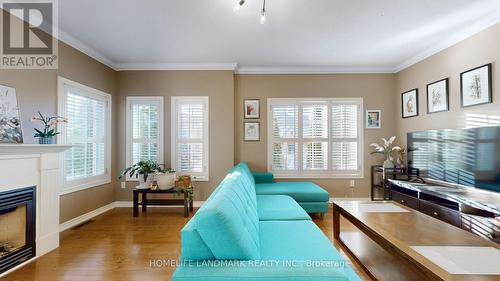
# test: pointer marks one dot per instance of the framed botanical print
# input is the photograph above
(10, 118)
(251, 131)
(409, 103)
(438, 96)
(476, 86)
(252, 109)
(373, 119)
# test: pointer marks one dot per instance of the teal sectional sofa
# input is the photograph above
(239, 235)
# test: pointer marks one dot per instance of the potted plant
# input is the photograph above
(165, 178)
(144, 171)
(47, 134)
(386, 149)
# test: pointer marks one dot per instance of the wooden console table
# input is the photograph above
(186, 202)
(383, 242)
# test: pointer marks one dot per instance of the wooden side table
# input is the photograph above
(186, 202)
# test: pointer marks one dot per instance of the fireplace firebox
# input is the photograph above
(17, 227)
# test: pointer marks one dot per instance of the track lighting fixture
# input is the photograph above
(240, 3)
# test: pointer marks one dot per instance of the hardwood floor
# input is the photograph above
(116, 246)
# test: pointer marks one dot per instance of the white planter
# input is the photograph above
(165, 180)
(145, 184)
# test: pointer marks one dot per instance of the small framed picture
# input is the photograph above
(373, 119)
(251, 131)
(409, 103)
(252, 109)
(476, 86)
(437, 96)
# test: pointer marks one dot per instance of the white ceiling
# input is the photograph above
(299, 35)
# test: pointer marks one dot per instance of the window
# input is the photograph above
(144, 129)
(190, 136)
(319, 138)
(88, 111)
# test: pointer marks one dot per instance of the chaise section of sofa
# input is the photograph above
(238, 235)
(310, 196)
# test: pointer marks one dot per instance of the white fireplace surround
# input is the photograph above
(24, 165)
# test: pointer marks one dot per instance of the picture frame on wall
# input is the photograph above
(251, 131)
(373, 119)
(409, 103)
(251, 108)
(10, 117)
(438, 96)
(476, 86)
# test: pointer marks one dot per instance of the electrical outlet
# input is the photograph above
(351, 183)
(123, 185)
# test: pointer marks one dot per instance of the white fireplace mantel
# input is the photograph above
(24, 165)
(19, 149)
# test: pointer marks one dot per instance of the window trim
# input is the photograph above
(326, 174)
(206, 132)
(90, 182)
(128, 146)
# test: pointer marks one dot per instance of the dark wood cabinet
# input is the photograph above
(406, 200)
(441, 213)
(480, 222)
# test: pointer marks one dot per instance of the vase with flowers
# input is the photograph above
(388, 149)
(47, 134)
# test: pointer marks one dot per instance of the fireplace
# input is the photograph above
(17, 227)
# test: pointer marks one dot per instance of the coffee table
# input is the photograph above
(393, 242)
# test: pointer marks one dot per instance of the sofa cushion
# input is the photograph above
(228, 223)
(300, 191)
(192, 246)
(314, 207)
(263, 177)
(300, 241)
(279, 207)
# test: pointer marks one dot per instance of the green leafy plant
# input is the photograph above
(387, 148)
(143, 168)
(49, 125)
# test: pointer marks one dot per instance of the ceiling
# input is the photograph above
(299, 36)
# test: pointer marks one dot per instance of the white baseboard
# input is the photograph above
(117, 204)
(85, 217)
(349, 199)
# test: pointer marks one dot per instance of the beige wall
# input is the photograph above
(475, 51)
(37, 90)
(217, 85)
(377, 91)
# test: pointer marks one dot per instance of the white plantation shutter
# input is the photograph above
(87, 110)
(315, 137)
(285, 132)
(144, 129)
(345, 137)
(190, 136)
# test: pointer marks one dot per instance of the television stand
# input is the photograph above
(466, 208)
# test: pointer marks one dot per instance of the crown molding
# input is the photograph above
(478, 26)
(176, 66)
(84, 48)
(312, 70)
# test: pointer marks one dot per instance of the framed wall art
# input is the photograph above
(373, 119)
(438, 96)
(10, 118)
(252, 109)
(251, 131)
(476, 86)
(409, 103)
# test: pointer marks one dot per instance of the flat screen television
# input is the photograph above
(468, 157)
